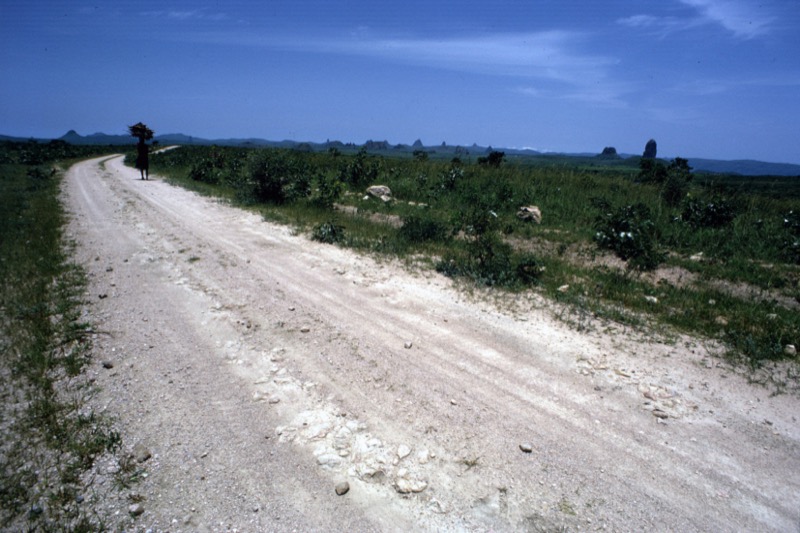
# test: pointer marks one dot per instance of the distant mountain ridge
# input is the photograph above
(744, 167)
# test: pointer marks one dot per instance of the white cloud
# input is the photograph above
(547, 56)
(743, 18)
(554, 58)
(740, 17)
(641, 21)
(187, 15)
(538, 55)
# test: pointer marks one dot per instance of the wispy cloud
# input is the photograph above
(604, 94)
(546, 55)
(744, 18)
(660, 26)
(201, 14)
(553, 58)
(642, 21)
(702, 87)
(741, 17)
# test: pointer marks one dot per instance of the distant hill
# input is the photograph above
(744, 167)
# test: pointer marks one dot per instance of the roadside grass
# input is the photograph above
(50, 438)
(741, 286)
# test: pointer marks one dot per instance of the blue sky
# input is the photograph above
(705, 78)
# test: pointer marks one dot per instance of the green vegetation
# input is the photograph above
(653, 245)
(49, 438)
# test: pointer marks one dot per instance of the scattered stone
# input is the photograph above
(658, 413)
(329, 459)
(274, 400)
(563, 288)
(408, 345)
(651, 299)
(305, 329)
(380, 191)
(423, 456)
(141, 453)
(342, 488)
(526, 447)
(721, 321)
(102, 296)
(107, 364)
(406, 486)
(790, 350)
(530, 213)
(453, 402)
(136, 509)
(403, 451)
(437, 507)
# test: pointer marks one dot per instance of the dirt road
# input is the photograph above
(260, 370)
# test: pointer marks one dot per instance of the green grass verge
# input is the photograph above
(50, 440)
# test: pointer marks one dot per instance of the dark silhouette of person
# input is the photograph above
(143, 133)
(142, 159)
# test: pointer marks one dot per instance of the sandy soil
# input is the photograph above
(261, 369)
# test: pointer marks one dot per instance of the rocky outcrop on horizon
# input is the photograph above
(650, 149)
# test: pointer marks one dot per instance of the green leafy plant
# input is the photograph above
(328, 191)
(790, 245)
(630, 233)
(422, 228)
(279, 176)
(360, 171)
(708, 214)
(494, 159)
(328, 232)
(676, 184)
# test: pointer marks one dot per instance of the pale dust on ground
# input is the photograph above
(260, 369)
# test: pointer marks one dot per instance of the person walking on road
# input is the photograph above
(143, 133)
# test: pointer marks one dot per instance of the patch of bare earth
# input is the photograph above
(259, 370)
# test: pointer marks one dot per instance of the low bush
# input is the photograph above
(489, 261)
(422, 228)
(630, 233)
(790, 245)
(278, 176)
(329, 189)
(206, 171)
(361, 171)
(716, 213)
(328, 232)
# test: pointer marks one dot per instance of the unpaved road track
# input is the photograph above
(260, 369)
